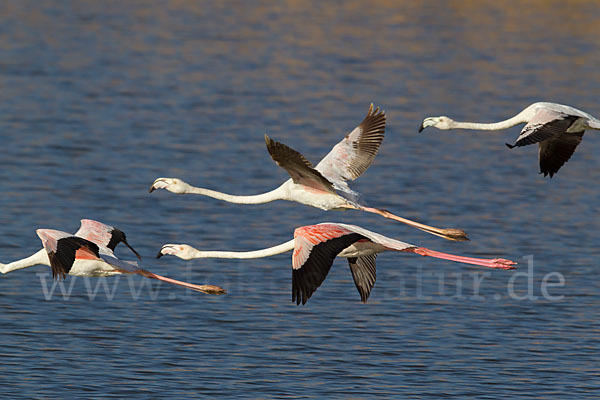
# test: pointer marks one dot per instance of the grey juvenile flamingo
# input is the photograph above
(558, 129)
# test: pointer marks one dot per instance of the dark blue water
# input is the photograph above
(99, 99)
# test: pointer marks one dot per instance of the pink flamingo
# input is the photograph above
(324, 186)
(558, 130)
(90, 253)
(315, 248)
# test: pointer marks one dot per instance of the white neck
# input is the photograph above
(271, 251)
(275, 194)
(493, 126)
(41, 257)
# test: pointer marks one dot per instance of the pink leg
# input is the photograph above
(208, 289)
(449, 233)
(484, 262)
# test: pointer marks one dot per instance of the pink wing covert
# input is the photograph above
(95, 231)
(306, 237)
(103, 235)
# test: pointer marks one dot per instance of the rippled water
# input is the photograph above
(99, 99)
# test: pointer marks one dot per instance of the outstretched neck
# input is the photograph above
(271, 251)
(275, 194)
(492, 126)
(41, 257)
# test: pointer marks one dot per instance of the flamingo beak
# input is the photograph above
(421, 128)
(132, 249)
(166, 249)
(158, 184)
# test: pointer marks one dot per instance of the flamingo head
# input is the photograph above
(173, 185)
(441, 122)
(183, 251)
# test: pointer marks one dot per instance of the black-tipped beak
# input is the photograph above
(132, 249)
(160, 254)
(510, 146)
(152, 189)
(421, 128)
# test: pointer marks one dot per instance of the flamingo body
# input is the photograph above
(313, 196)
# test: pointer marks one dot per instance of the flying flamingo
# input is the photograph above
(320, 186)
(558, 129)
(315, 248)
(90, 253)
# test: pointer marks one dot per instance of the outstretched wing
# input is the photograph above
(63, 249)
(544, 125)
(384, 241)
(315, 248)
(364, 274)
(103, 235)
(558, 150)
(354, 154)
(299, 168)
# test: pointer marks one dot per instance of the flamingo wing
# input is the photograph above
(103, 235)
(63, 249)
(364, 274)
(299, 168)
(558, 150)
(354, 154)
(315, 248)
(544, 125)
(378, 240)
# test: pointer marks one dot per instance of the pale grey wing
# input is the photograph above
(556, 151)
(543, 126)
(384, 241)
(364, 274)
(354, 154)
(299, 168)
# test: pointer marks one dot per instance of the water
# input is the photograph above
(99, 99)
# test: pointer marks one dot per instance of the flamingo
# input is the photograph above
(320, 186)
(316, 246)
(89, 252)
(558, 129)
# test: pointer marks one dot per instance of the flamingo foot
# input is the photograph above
(502, 263)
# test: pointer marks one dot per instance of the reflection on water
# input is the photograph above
(99, 99)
